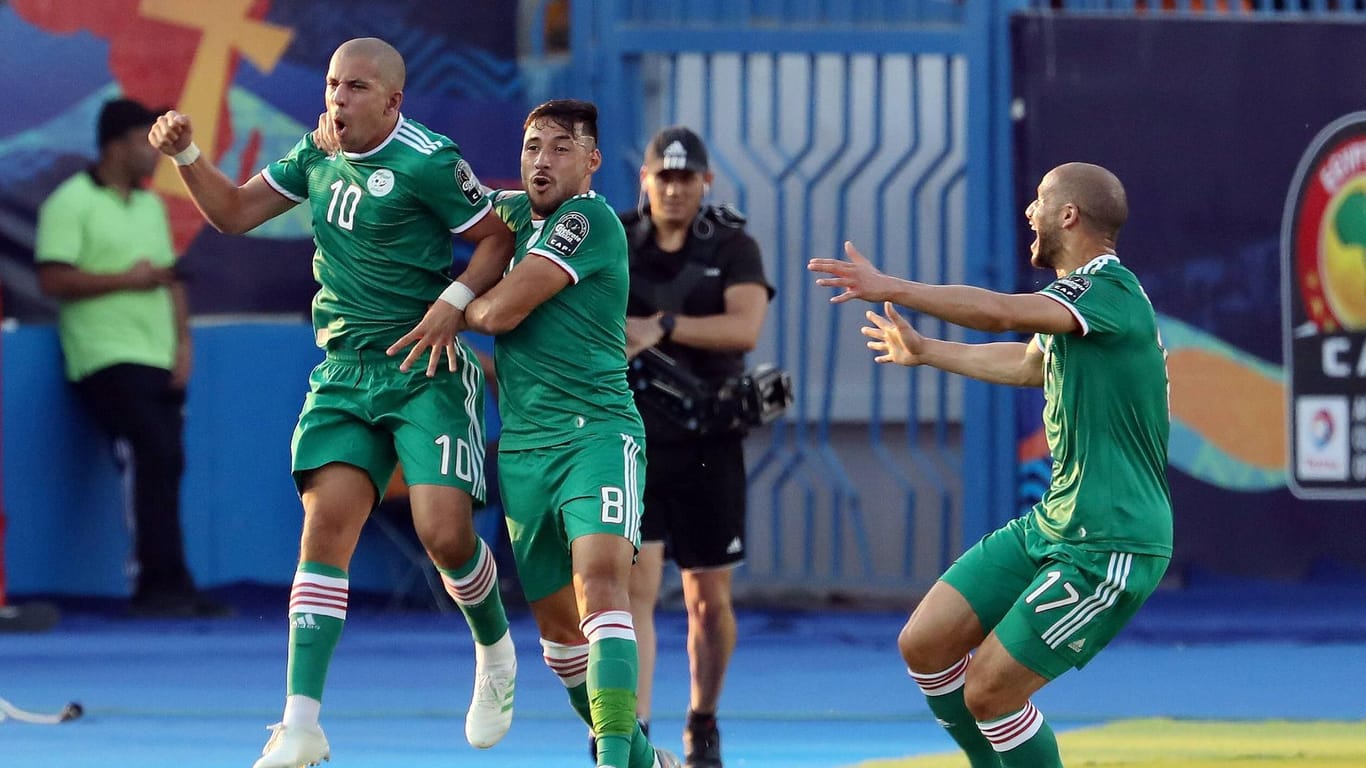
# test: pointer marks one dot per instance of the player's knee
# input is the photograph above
(918, 654)
(447, 546)
(710, 612)
(988, 698)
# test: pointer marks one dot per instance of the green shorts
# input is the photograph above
(552, 496)
(1053, 606)
(362, 410)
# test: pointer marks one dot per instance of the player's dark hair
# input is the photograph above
(580, 118)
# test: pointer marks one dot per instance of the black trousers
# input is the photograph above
(137, 407)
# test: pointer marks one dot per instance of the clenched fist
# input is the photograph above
(171, 133)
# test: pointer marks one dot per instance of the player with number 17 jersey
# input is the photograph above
(382, 223)
(1109, 482)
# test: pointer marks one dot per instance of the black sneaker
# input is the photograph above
(593, 740)
(701, 743)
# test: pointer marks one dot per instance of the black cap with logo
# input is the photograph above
(676, 148)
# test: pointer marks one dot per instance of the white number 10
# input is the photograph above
(348, 195)
(464, 457)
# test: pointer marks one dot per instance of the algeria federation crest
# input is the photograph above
(381, 182)
(1323, 246)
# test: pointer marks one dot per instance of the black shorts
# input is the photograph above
(695, 500)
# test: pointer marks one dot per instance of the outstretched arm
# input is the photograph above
(228, 207)
(894, 340)
(965, 305)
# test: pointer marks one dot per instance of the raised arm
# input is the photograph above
(894, 340)
(228, 207)
(964, 305)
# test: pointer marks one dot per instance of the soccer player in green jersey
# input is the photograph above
(571, 459)
(1047, 591)
(384, 207)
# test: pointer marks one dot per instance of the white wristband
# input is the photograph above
(458, 295)
(187, 155)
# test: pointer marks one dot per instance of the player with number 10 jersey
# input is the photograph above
(383, 221)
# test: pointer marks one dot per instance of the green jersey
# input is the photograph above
(91, 227)
(562, 370)
(382, 223)
(1106, 416)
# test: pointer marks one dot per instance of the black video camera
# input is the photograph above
(754, 398)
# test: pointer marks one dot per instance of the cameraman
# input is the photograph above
(698, 293)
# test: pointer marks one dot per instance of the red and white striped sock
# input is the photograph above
(947, 681)
(319, 595)
(1007, 733)
(568, 662)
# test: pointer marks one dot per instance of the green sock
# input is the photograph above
(1039, 750)
(953, 715)
(578, 698)
(317, 613)
(642, 753)
(944, 693)
(474, 587)
(612, 698)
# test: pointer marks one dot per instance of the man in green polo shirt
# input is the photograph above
(104, 251)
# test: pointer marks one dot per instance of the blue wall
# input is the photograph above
(240, 512)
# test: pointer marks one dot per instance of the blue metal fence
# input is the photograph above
(869, 121)
(885, 123)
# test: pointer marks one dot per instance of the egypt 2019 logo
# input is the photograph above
(1323, 246)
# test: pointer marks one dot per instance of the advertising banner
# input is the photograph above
(1241, 148)
(1324, 247)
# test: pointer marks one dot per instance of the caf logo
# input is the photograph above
(1323, 245)
(1325, 229)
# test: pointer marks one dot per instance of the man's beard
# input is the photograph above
(1047, 255)
(544, 209)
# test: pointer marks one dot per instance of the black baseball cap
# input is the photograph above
(676, 148)
(119, 116)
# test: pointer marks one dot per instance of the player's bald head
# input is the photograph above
(387, 60)
(1095, 191)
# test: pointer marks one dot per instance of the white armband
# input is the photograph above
(187, 155)
(458, 295)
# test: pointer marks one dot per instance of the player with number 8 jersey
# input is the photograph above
(571, 460)
(562, 369)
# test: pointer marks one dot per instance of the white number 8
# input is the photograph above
(613, 505)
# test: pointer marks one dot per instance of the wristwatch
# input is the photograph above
(667, 321)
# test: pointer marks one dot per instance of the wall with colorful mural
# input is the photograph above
(250, 73)
(1208, 148)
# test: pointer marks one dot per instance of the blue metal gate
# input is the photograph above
(876, 122)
